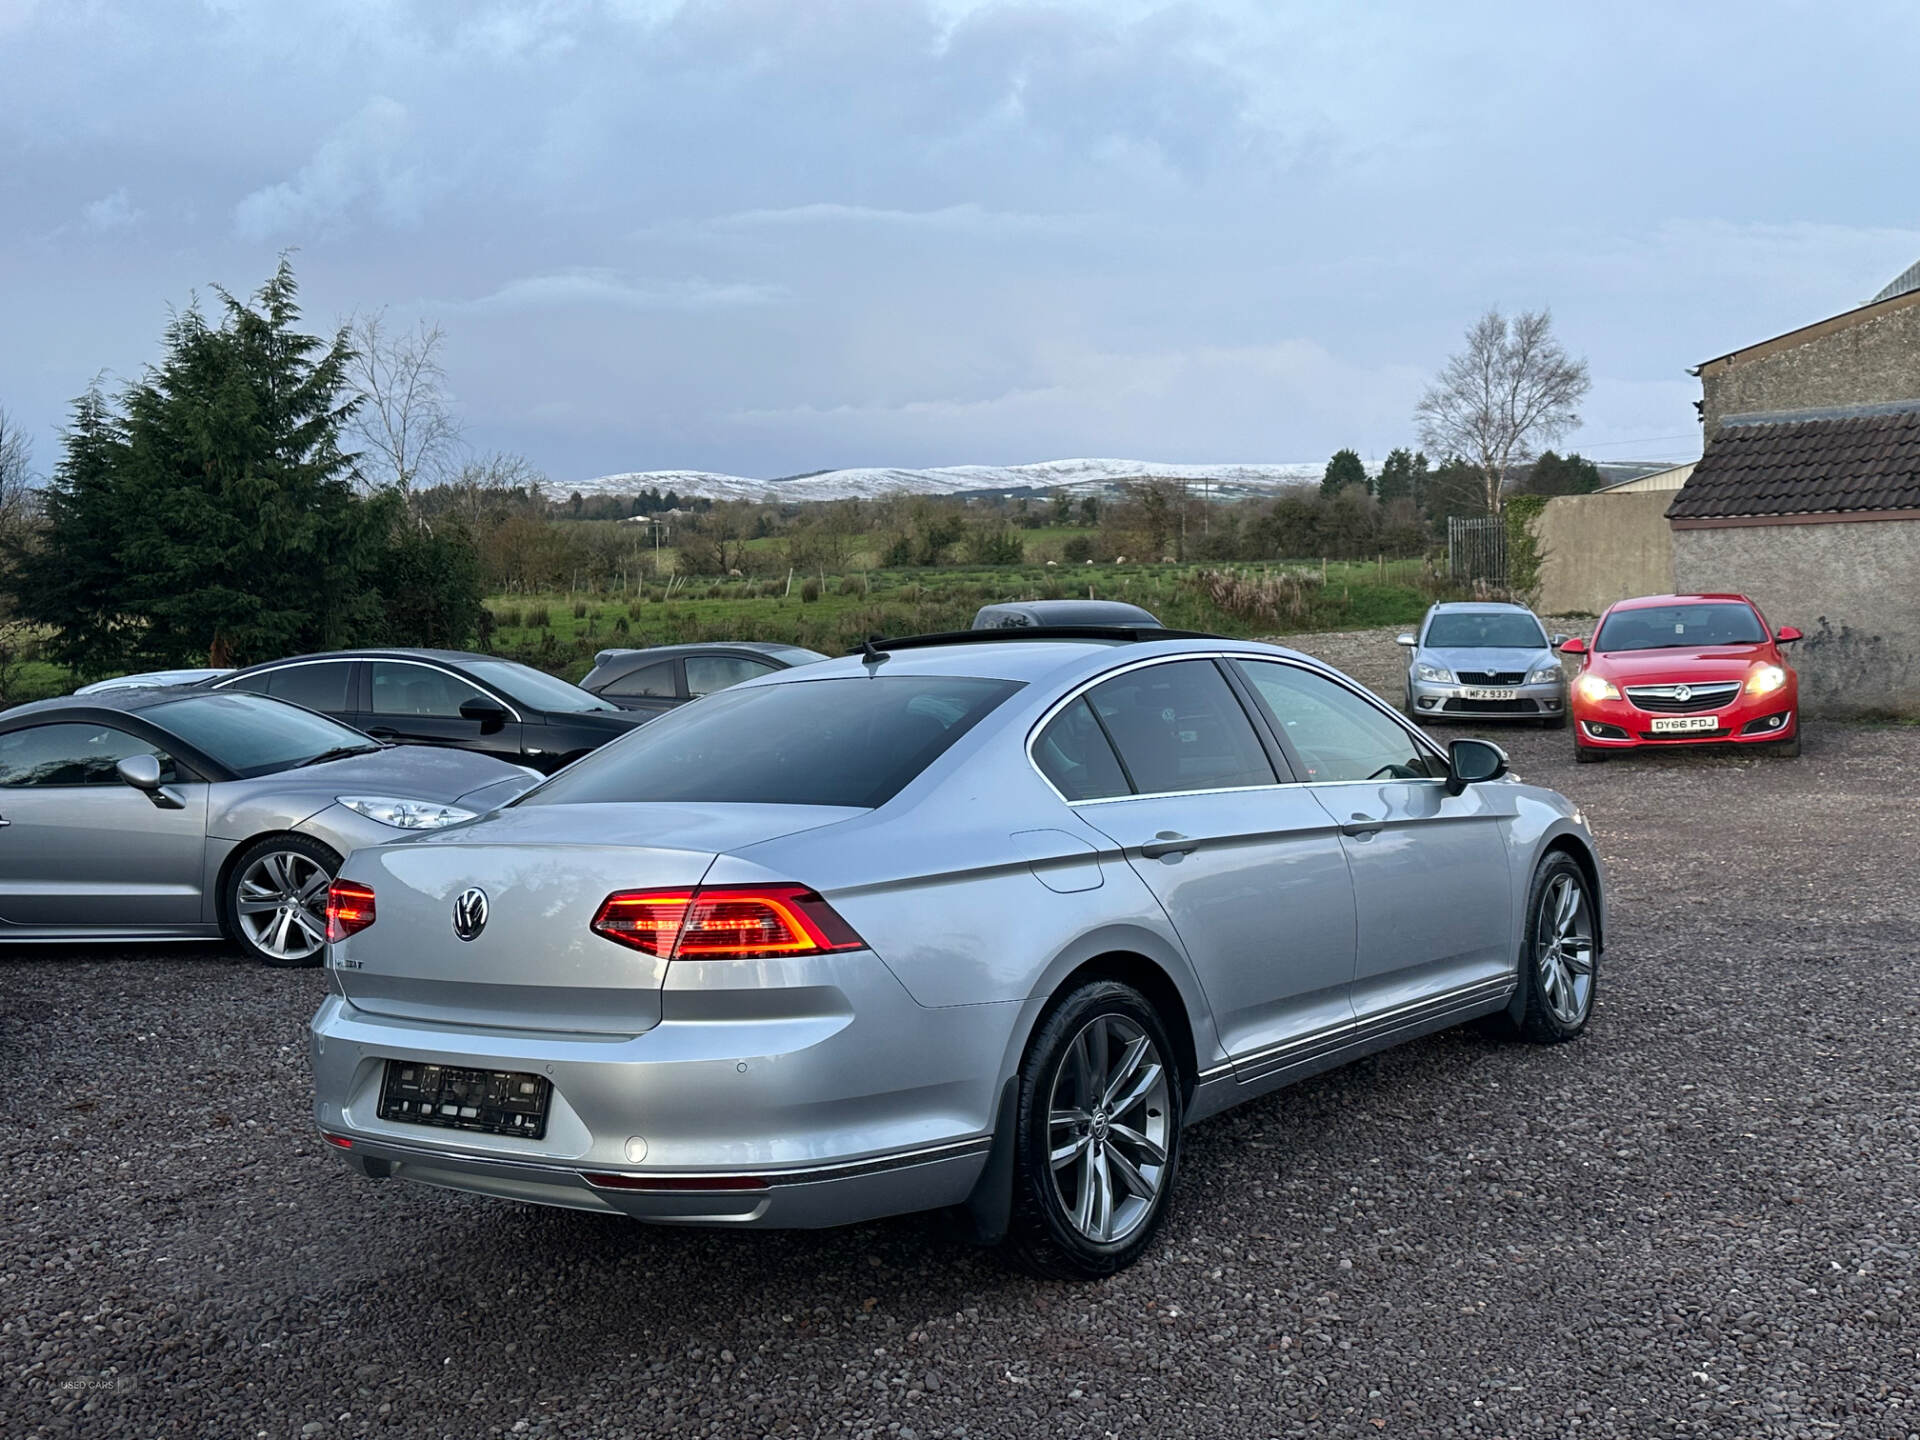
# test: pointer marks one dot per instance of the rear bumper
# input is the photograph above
(795, 1198)
(805, 1093)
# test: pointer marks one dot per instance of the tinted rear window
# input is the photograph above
(852, 741)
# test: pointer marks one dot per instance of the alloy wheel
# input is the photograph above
(281, 902)
(1564, 949)
(1108, 1118)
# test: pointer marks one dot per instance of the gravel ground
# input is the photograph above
(1701, 1219)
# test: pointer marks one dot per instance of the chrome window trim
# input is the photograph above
(470, 683)
(1048, 716)
(279, 665)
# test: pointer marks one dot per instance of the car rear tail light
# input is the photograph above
(349, 910)
(725, 922)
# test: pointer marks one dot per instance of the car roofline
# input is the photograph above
(1018, 634)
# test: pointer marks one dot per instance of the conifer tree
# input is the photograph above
(1343, 470)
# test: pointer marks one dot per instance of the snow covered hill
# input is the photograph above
(1079, 476)
(868, 484)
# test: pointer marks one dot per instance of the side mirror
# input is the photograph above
(1406, 640)
(1471, 762)
(491, 715)
(1787, 635)
(1574, 646)
(142, 772)
(1557, 641)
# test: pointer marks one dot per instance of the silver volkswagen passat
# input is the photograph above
(1481, 660)
(975, 920)
(170, 814)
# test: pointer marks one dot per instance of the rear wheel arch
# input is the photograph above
(1152, 980)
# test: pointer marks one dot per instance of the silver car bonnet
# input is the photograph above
(545, 870)
(238, 809)
(1480, 658)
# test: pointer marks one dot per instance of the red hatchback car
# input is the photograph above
(1683, 670)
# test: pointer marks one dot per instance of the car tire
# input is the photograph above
(1559, 959)
(1555, 722)
(273, 903)
(1084, 1218)
(1587, 755)
(1787, 749)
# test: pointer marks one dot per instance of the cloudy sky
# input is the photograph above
(771, 236)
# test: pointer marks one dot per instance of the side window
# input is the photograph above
(321, 687)
(653, 682)
(708, 673)
(48, 755)
(400, 688)
(1074, 754)
(1338, 735)
(1179, 726)
(252, 684)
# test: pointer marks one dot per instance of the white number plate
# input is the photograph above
(1684, 724)
(1491, 694)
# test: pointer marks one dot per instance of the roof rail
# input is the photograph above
(1121, 634)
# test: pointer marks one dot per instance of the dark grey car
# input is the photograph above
(660, 678)
(179, 814)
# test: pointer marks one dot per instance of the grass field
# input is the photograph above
(561, 632)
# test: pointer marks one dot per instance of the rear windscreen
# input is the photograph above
(852, 741)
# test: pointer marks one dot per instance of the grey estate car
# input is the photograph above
(174, 814)
(1482, 660)
(975, 920)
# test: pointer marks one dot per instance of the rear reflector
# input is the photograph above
(342, 1141)
(349, 909)
(725, 922)
(606, 1181)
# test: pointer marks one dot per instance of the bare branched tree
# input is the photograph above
(1513, 389)
(405, 418)
(18, 498)
(486, 484)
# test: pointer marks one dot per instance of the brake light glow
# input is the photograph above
(725, 922)
(349, 910)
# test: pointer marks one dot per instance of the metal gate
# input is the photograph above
(1477, 549)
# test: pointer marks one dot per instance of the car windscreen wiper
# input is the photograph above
(340, 752)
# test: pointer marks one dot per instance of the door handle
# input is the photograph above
(4, 822)
(1168, 842)
(1362, 825)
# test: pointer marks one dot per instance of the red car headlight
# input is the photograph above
(1595, 687)
(1766, 679)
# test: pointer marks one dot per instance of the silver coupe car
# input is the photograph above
(173, 814)
(976, 920)
(1484, 660)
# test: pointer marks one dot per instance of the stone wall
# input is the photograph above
(1596, 549)
(1853, 587)
(1848, 360)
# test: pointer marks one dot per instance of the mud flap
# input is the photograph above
(989, 1209)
